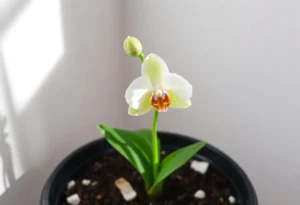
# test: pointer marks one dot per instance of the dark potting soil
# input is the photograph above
(179, 187)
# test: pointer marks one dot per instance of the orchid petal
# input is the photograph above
(137, 90)
(142, 107)
(155, 68)
(177, 86)
(177, 103)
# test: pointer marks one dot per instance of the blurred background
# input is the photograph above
(63, 70)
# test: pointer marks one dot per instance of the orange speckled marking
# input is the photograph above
(160, 101)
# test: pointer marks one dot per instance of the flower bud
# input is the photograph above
(132, 46)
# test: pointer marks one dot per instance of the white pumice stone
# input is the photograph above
(94, 183)
(231, 200)
(86, 182)
(200, 194)
(199, 166)
(71, 184)
(73, 199)
(126, 189)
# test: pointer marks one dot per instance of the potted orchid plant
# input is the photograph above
(156, 89)
(146, 166)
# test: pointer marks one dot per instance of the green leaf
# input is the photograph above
(143, 140)
(135, 146)
(175, 160)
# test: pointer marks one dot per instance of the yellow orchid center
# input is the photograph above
(160, 100)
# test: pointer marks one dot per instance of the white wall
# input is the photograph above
(60, 76)
(242, 57)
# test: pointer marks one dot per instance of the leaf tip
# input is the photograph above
(101, 129)
(201, 144)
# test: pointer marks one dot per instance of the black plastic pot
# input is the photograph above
(53, 190)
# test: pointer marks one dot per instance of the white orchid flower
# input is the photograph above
(157, 88)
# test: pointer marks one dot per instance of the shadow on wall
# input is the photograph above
(15, 192)
(6, 156)
(21, 191)
(54, 102)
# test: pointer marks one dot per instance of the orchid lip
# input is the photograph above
(160, 100)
